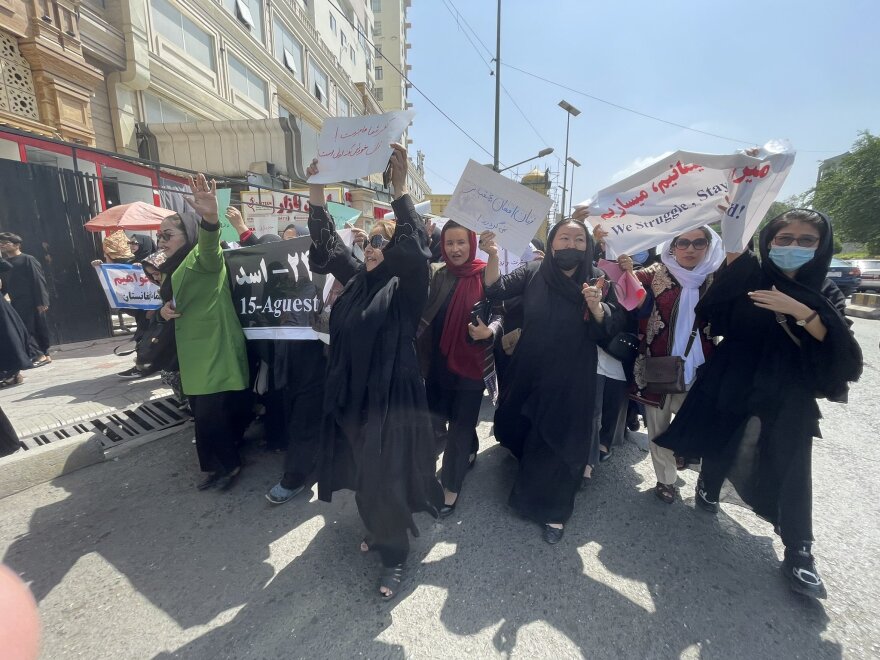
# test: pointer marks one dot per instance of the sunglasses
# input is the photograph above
(377, 241)
(167, 235)
(802, 241)
(684, 244)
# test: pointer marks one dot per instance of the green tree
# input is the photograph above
(850, 194)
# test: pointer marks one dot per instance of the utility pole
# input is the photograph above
(497, 88)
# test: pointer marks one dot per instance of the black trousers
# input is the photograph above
(302, 401)
(220, 419)
(456, 411)
(791, 467)
(609, 415)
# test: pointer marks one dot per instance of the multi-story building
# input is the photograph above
(227, 86)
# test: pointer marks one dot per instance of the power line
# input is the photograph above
(440, 176)
(362, 34)
(456, 15)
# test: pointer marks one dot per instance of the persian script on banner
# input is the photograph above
(486, 201)
(350, 148)
(126, 287)
(275, 293)
(683, 192)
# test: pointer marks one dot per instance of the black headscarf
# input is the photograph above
(190, 225)
(809, 281)
(146, 247)
(570, 288)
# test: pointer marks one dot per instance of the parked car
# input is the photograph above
(870, 274)
(846, 276)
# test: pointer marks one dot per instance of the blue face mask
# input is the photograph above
(791, 257)
(641, 257)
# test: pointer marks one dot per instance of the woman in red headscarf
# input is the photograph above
(456, 348)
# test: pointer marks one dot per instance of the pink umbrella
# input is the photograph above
(137, 215)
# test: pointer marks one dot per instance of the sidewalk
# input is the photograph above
(78, 385)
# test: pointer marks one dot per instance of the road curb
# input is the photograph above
(25, 469)
(864, 306)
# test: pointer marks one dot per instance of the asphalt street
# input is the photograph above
(128, 560)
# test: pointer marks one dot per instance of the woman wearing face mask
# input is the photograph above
(545, 411)
(458, 354)
(376, 436)
(210, 342)
(786, 343)
(674, 287)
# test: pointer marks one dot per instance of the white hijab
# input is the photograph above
(691, 281)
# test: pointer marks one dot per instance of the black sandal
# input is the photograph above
(665, 492)
(390, 578)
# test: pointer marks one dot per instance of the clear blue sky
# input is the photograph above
(806, 70)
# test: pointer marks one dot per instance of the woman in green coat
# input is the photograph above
(210, 345)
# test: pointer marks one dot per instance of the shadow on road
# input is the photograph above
(632, 577)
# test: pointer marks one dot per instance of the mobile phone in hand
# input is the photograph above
(386, 175)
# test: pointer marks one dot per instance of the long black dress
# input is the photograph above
(376, 434)
(17, 349)
(545, 409)
(26, 286)
(752, 412)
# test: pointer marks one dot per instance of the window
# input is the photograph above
(353, 55)
(378, 93)
(377, 29)
(343, 39)
(288, 50)
(246, 82)
(318, 81)
(343, 107)
(249, 13)
(183, 33)
(159, 111)
(361, 36)
(376, 5)
(283, 112)
(332, 23)
(379, 75)
(378, 50)
(369, 61)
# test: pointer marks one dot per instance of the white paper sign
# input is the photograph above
(682, 192)
(126, 287)
(353, 147)
(486, 201)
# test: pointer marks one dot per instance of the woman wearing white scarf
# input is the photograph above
(674, 287)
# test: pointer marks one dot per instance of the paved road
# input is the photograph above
(129, 561)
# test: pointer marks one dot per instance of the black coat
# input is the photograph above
(377, 437)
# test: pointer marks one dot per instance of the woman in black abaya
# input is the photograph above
(376, 437)
(545, 413)
(786, 343)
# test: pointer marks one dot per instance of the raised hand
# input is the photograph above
(625, 262)
(487, 244)
(399, 167)
(204, 198)
(316, 190)
(234, 217)
(599, 234)
(581, 213)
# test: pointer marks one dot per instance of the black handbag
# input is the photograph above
(624, 346)
(156, 347)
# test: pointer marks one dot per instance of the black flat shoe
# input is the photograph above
(799, 568)
(552, 535)
(702, 498)
(226, 481)
(390, 578)
(448, 509)
(209, 482)
(605, 455)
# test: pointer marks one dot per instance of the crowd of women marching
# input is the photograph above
(724, 355)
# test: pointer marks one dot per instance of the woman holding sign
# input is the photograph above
(545, 412)
(377, 438)
(786, 343)
(456, 345)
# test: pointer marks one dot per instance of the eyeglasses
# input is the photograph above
(802, 241)
(684, 244)
(133, 243)
(167, 235)
(377, 241)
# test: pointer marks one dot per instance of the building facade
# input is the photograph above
(226, 86)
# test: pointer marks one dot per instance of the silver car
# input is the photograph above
(870, 274)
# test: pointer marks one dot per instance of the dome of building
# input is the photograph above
(533, 177)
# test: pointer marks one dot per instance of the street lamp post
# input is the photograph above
(544, 152)
(571, 188)
(571, 111)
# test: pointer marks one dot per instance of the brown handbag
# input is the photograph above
(665, 375)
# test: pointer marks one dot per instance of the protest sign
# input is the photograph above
(126, 287)
(486, 201)
(682, 192)
(227, 231)
(351, 148)
(508, 261)
(270, 211)
(274, 293)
